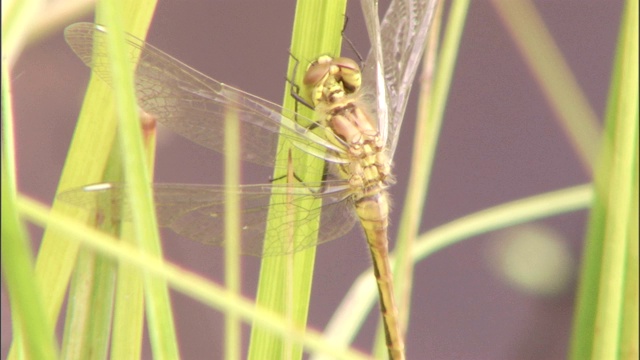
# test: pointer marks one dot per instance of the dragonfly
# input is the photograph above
(356, 134)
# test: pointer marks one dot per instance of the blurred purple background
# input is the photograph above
(499, 142)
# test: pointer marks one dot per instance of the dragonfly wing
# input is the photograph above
(403, 34)
(197, 212)
(374, 89)
(194, 105)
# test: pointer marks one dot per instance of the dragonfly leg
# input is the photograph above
(295, 176)
(295, 88)
(295, 93)
(349, 42)
(325, 175)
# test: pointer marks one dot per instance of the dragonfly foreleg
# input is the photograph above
(295, 176)
(349, 42)
(294, 90)
(323, 182)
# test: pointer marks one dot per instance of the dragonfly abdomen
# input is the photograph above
(373, 212)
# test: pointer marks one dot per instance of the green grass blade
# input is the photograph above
(353, 310)
(630, 313)
(85, 164)
(88, 328)
(128, 318)
(433, 99)
(557, 82)
(607, 302)
(32, 330)
(89, 310)
(17, 21)
(191, 284)
(129, 296)
(502, 216)
(317, 30)
(158, 305)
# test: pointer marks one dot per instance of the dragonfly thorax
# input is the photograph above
(334, 84)
(350, 127)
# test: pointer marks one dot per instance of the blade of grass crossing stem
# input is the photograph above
(85, 164)
(433, 100)
(188, 283)
(157, 302)
(90, 310)
(89, 307)
(317, 30)
(557, 82)
(354, 308)
(33, 333)
(601, 327)
(129, 301)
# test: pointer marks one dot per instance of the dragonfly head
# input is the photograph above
(330, 79)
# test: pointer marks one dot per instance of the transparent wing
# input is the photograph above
(402, 38)
(197, 212)
(194, 105)
(374, 89)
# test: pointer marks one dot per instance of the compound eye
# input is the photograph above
(350, 74)
(346, 64)
(316, 72)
